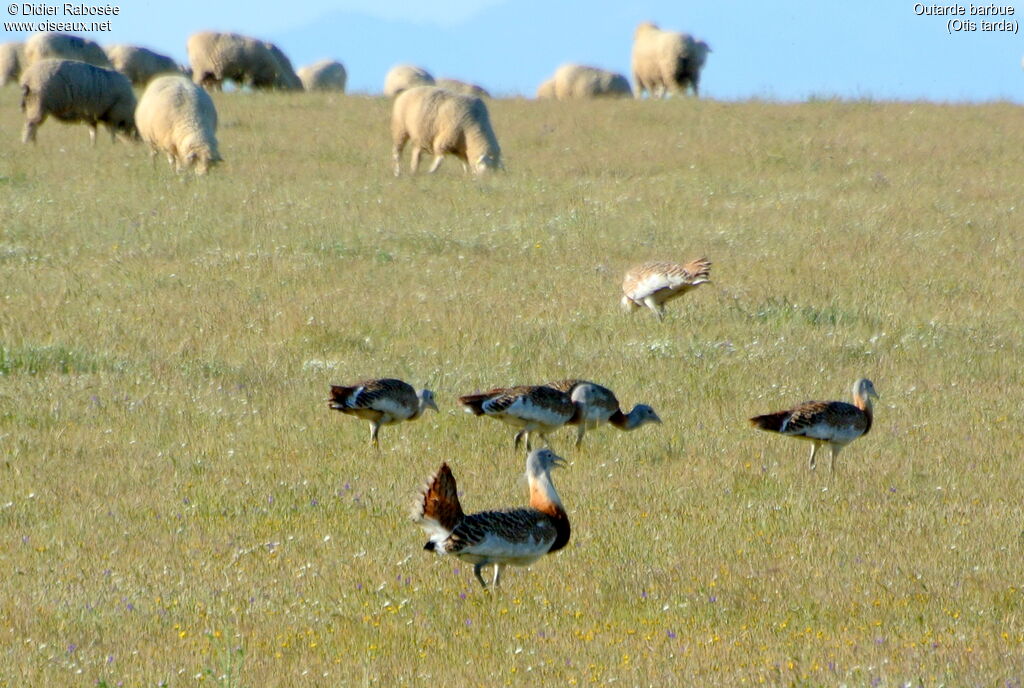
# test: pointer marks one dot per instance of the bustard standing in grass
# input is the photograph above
(531, 408)
(516, 537)
(599, 405)
(656, 283)
(382, 402)
(834, 423)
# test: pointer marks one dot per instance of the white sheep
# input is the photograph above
(573, 81)
(546, 91)
(402, 77)
(64, 46)
(75, 91)
(438, 122)
(666, 61)
(465, 88)
(325, 75)
(140, 65)
(12, 59)
(215, 57)
(177, 118)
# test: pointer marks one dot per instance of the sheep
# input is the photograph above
(178, 118)
(466, 89)
(325, 75)
(75, 91)
(64, 46)
(438, 122)
(573, 81)
(140, 65)
(402, 77)
(546, 91)
(247, 61)
(12, 59)
(666, 61)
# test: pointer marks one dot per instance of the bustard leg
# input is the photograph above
(476, 572)
(579, 434)
(835, 452)
(497, 574)
(814, 450)
(518, 438)
(374, 429)
(655, 307)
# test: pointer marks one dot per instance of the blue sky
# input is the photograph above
(784, 49)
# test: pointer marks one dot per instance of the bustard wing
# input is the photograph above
(540, 404)
(651, 278)
(393, 397)
(832, 421)
(567, 385)
(507, 533)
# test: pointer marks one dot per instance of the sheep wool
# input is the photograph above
(440, 122)
(666, 62)
(178, 118)
(75, 91)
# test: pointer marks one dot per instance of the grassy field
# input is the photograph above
(178, 506)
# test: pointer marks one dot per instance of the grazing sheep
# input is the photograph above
(466, 89)
(64, 46)
(573, 81)
(666, 61)
(247, 61)
(439, 122)
(140, 65)
(178, 118)
(74, 91)
(402, 77)
(12, 59)
(546, 91)
(325, 75)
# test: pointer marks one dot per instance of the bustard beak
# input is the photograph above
(655, 418)
(431, 404)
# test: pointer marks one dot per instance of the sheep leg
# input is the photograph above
(396, 153)
(414, 162)
(29, 135)
(437, 163)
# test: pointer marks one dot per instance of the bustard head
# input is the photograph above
(427, 399)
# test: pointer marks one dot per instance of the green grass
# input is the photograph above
(178, 505)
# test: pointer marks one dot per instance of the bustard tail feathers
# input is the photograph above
(700, 269)
(772, 422)
(474, 403)
(339, 396)
(438, 510)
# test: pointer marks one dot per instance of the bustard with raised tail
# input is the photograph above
(504, 537)
(384, 401)
(531, 408)
(835, 423)
(656, 283)
(599, 405)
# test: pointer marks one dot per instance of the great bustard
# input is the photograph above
(531, 408)
(656, 283)
(382, 402)
(834, 423)
(598, 405)
(516, 537)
